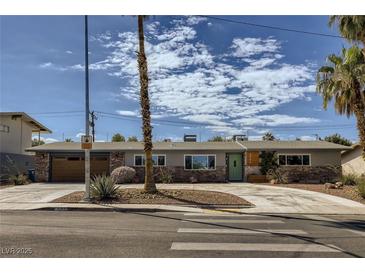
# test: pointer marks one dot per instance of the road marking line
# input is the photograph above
(234, 221)
(254, 247)
(240, 231)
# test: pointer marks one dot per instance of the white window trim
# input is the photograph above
(290, 154)
(192, 169)
(134, 158)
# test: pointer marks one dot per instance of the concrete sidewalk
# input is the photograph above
(267, 199)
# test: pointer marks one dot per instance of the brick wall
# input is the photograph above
(41, 165)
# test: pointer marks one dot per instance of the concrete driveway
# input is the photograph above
(34, 195)
(267, 199)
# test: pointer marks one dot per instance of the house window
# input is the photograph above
(200, 162)
(157, 159)
(294, 160)
(4, 128)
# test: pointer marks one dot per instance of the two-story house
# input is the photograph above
(16, 130)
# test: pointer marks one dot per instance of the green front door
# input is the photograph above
(235, 167)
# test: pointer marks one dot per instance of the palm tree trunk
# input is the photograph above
(149, 184)
(359, 110)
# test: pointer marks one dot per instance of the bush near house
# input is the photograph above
(164, 176)
(350, 179)
(123, 175)
(103, 187)
(269, 161)
(361, 186)
(19, 179)
(277, 176)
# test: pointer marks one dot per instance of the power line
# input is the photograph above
(271, 27)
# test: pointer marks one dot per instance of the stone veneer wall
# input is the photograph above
(117, 159)
(312, 174)
(41, 165)
(304, 174)
(181, 175)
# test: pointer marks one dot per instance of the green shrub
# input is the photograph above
(350, 179)
(269, 161)
(103, 187)
(361, 187)
(19, 179)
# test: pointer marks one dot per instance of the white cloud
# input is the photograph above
(46, 140)
(307, 138)
(247, 47)
(46, 65)
(69, 52)
(274, 120)
(133, 113)
(78, 135)
(189, 82)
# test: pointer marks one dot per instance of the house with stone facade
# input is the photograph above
(231, 161)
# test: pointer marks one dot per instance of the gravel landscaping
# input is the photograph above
(165, 197)
(348, 192)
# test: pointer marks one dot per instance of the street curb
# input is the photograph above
(136, 209)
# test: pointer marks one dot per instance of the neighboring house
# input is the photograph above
(191, 161)
(16, 129)
(352, 161)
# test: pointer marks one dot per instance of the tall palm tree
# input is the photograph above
(344, 81)
(149, 184)
(351, 27)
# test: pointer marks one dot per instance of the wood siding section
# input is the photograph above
(253, 158)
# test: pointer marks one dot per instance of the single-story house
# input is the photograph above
(352, 161)
(188, 161)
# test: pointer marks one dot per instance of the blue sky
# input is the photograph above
(208, 77)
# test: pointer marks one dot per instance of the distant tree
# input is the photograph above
(216, 139)
(338, 139)
(268, 136)
(118, 138)
(68, 140)
(36, 142)
(298, 139)
(132, 139)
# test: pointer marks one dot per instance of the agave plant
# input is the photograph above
(103, 187)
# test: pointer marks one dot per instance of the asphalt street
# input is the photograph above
(169, 234)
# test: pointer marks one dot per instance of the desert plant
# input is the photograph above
(19, 179)
(361, 186)
(269, 161)
(165, 176)
(123, 175)
(350, 179)
(277, 175)
(103, 187)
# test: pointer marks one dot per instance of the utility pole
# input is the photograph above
(92, 124)
(87, 114)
